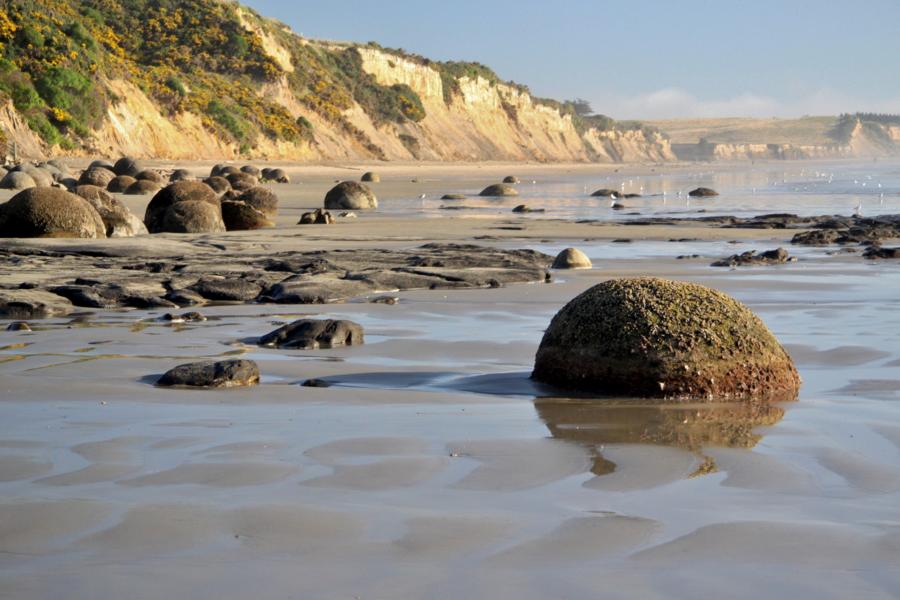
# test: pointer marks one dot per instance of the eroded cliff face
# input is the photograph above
(483, 120)
(493, 121)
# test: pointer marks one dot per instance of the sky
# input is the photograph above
(645, 59)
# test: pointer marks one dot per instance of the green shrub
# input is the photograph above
(40, 124)
(232, 121)
(175, 84)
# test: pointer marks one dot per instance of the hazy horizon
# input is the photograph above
(646, 60)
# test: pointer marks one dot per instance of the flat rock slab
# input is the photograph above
(212, 374)
(236, 271)
(314, 334)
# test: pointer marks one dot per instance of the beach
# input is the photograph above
(433, 466)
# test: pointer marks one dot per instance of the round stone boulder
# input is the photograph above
(120, 183)
(127, 166)
(17, 180)
(49, 212)
(703, 192)
(101, 164)
(250, 170)
(211, 374)
(180, 191)
(277, 175)
(572, 258)
(314, 334)
(499, 190)
(240, 216)
(117, 219)
(98, 176)
(511, 179)
(350, 195)
(262, 199)
(193, 216)
(150, 175)
(219, 184)
(180, 175)
(241, 181)
(142, 187)
(370, 177)
(649, 337)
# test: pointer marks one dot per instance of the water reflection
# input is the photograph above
(597, 423)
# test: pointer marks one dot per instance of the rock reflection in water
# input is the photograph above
(596, 423)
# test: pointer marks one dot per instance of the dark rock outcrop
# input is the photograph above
(212, 374)
(499, 190)
(320, 216)
(751, 258)
(314, 334)
(703, 192)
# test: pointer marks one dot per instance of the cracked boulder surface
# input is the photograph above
(176, 273)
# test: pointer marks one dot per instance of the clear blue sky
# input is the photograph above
(646, 58)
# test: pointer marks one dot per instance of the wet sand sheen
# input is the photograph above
(433, 467)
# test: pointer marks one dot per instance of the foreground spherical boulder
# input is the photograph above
(572, 258)
(50, 212)
(180, 191)
(499, 190)
(650, 337)
(210, 374)
(350, 195)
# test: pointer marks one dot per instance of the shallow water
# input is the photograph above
(433, 467)
(801, 188)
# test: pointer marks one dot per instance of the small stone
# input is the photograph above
(316, 383)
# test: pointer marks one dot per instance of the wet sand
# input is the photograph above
(433, 467)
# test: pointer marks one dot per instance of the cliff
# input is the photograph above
(202, 79)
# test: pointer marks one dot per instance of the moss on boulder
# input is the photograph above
(652, 337)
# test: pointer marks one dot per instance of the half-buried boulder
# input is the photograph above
(572, 258)
(142, 187)
(370, 177)
(17, 180)
(218, 184)
(180, 191)
(262, 199)
(511, 179)
(49, 212)
(210, 374)
(193, 216)
(650, 337)
(98, 176)
(702, 192)
(350, 195)
(499, 190)
(240, 216)
(241, 181)
(120, 183)
(314, 334)
(127, 166)
(117, 219)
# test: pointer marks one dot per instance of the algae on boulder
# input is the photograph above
(652, 337)
(49, 212)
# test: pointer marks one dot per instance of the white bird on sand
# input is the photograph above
(422, 197)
